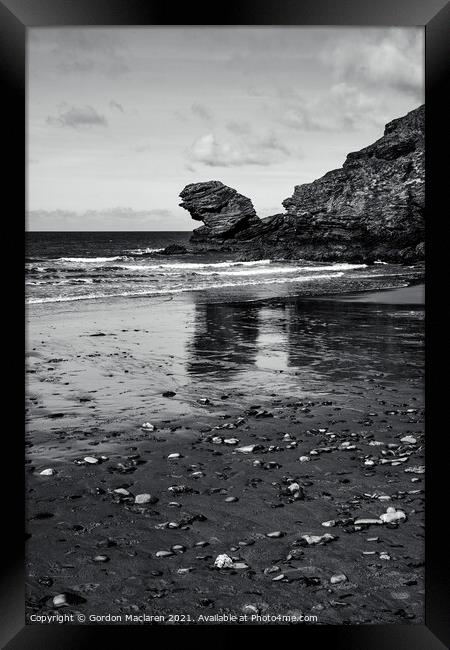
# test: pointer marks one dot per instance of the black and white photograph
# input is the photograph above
(225, 308)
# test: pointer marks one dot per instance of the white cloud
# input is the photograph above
(241, 148)
(393, 59)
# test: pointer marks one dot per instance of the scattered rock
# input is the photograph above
(312, 540)
(223, 562)
(91, 460)
(392, 515)
(338, 578)
(410, 440)
(248, 449)
(162, 554)
(141, 499)
(48, 472)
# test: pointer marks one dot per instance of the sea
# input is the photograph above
(87, 266)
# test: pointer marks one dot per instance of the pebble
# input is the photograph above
(339, 577)
(410, 440)
(367, 521)
(48, 472)
(174, 456)
(275, 534)
(384, 556)
(329, 524)
(304, 459)
(178, 548)
(164, 553)
(91, 460)
(240, 565)
(122, 491)
(392, 515)
(60, 600)
(417, 469)
(144, 498)
(101, 558)
(318, 539)
(223, 562)
(148, 426)
(294, 487)
(231, 499)
(248, 449)
(169, 393)
(231, 441)
(250, 609)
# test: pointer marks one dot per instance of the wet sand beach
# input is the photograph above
(278, 431)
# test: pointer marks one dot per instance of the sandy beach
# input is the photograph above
(279, 432)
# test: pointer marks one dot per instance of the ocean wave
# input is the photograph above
(285, 269)
(90, 260)
(157, 292)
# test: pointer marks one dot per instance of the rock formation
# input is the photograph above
(222, 209)
(372, 208)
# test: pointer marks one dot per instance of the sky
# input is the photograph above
(120, 119)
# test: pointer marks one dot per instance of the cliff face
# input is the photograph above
(372, 208)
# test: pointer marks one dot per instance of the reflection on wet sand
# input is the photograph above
(224, 339)
(316, 340)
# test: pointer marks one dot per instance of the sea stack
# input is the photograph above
(222, 209)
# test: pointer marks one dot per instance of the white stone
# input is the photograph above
(304, 459)
(329, 524)
(294, 487)
(339, 577)
(248, 449)
(174, 456)
(392, 515)
(231, 441)
(142, 498)
(122, 491)
(47, 472)
(60, 600)
(148, 426)
(367, 521)
(410, 440)
(90, 460)
(318, 539)
(223, 562)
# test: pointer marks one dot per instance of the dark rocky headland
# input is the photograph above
(372, 208)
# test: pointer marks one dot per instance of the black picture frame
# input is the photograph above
(18, 15)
